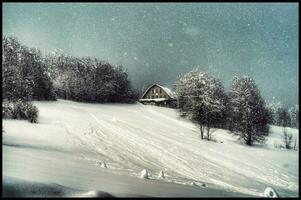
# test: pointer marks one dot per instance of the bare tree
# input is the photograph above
(287, 139)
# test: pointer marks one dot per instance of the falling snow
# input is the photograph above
(259, 40)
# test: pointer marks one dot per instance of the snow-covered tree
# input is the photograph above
(27, 75)
(273, 108)
(17, 83)
(294, 116)
(201, 98)
(283, 117)
(89, 79)
(24, 73)
(249, 115)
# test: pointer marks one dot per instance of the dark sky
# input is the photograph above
(158, 41)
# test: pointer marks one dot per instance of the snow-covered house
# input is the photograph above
(159, 95)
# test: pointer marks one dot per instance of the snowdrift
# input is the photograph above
(14, 187)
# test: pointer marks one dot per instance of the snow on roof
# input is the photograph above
(157, 100)
(169, 92)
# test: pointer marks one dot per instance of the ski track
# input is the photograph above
(136, 137)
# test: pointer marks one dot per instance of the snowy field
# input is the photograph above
(69, 145)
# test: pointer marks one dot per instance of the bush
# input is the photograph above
(6, 110)
(20, 110)
(32, 113)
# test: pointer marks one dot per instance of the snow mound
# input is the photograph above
(193, 183)
(161, 174)
(93, 193)
(270, 192)
(101, 164)
(15, 187)
(198, 184)
(144, 174)
(104, 165)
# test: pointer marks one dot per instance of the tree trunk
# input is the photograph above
(208, 131)
(249, 139)
(202, 131)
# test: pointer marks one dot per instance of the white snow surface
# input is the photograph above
(133, 137)
(154, 99)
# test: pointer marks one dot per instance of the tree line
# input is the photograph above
(89, 79)
(242, 110)
(27, 75)
(283, 116)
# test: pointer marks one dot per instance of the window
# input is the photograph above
(160, 91)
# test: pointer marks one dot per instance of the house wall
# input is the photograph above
(156, 92)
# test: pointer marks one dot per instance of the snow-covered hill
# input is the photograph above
(72, 140)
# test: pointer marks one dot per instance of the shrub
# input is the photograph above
(6, 110)
(32, 113)
(20, 110)
(287, 139)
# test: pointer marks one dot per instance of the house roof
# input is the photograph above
(168, 91)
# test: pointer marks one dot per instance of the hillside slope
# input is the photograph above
(130, 138)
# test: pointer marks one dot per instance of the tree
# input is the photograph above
(43, 86)
(89, 79)
(27, 75)
(248, 111)
(17, 83)
(274, 109)
(294, 116)
(295, 144)
(24, 73)
(283, 117)
(201, 98)
(287, 139)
